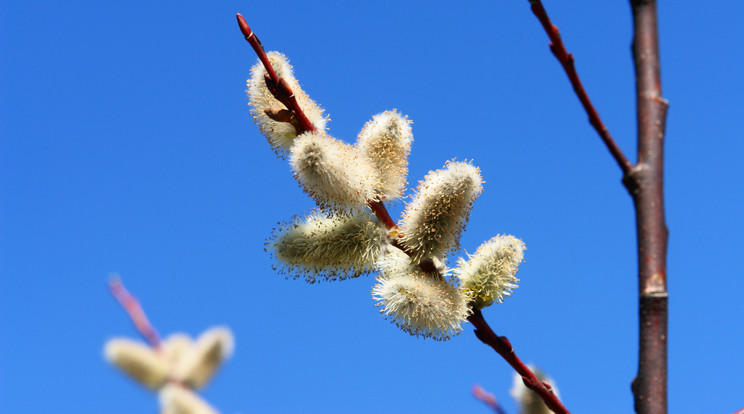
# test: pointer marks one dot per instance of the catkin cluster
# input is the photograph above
(349, 234)
(176, 368)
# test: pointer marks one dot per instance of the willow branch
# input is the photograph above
(135, 312)
(276, 85)
(646, 185)
(504, 348)
(567, 62)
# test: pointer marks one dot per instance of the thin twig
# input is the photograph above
(276, 85)
(135, 312)
(488, 399)
(504, 348)
(567, 61)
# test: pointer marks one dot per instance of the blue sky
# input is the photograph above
(127, 146)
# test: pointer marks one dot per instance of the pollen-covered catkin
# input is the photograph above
(329, 247)
(419, 303)
(280, 134)
(385, 141)
(141, 362)
(434, 219)
(331, 172)
(489, 275)
(198, 366)
(175, 399)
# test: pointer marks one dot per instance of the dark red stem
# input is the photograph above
(504, 348)
(135, 312)
(567, 61)
(276, 85)
(645, 182)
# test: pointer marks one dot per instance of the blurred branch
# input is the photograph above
(135, 312)
(504, 348)
(488, 399)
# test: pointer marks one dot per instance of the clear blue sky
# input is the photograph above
(127, 146)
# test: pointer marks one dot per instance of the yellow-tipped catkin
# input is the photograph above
(139, 361)
(280, 134)
(385, 142)
(529, 402)
(419, 303)
(328, 247)
(175, 399)
(433, 221)
(197, 366)
(489, 275)
(331, 172)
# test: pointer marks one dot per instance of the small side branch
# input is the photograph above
(135, 312)
(504, 348)
(567, 61)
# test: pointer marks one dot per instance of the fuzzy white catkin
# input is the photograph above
(175, 399)
(385, 141)
(197, 366)
(434, 219)
(421, 304)
(280, 134)
(489, 274)
(139, 361)
(529, 402)
(330, 247)
(175, 347)
(331, 172)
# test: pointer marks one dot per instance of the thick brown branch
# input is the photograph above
(646, 184)
(567, 61)
(276, 85)
(504, 348)
(135, 312)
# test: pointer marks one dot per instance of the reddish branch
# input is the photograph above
(645, 183)
(567, 61)
(488, 399)
(504, 348)
(483, 331)
(276, 85)
(135, 312)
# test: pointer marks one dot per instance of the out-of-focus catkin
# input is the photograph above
(419, 303)
(385, 141)
(330, 247)
(175, 399)
(197, 366)
(433, 221)
(279, 134)
(144, 364)
(331, 172)
(489, 275)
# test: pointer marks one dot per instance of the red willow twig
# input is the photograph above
(645, 183)
(504, 348)
(483, 331)
(135, 312)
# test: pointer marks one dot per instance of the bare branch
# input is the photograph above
(504, 348)
(567, 61)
